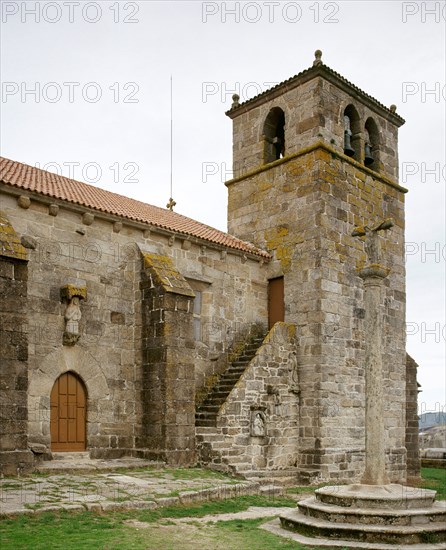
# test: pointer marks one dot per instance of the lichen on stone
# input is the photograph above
(166, 274)
(10, 245)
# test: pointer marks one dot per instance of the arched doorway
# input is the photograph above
(68, 414)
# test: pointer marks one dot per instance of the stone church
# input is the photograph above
(131, 330)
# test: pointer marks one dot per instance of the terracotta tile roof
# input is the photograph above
(53, 185)
(311, 72)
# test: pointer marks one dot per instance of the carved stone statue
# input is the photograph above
(258, 425)
(72, 316)
(372, 241)
(72, 295)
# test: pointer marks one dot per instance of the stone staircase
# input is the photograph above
(206, 414)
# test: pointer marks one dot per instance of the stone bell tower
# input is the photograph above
(314, 157)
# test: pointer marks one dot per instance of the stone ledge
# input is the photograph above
(392, 496)
(384, 516)
(389, 534)
(324, 542)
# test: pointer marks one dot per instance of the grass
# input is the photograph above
(164, 528)
(435, 478)
(213, 507)
(86, 530)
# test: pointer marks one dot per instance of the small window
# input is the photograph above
(371, 144)
(197, 314)
(352, 142)
(274, 135)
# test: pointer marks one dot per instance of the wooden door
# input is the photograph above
(276, 301)
(68, 414)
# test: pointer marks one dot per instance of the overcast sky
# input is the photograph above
(100, 110)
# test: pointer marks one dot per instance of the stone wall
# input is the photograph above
(303, 209)
(412, 421)
(69, 246)
(15, 458)
(14, 454)
(268, 389)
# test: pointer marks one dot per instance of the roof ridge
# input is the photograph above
(51, 184)
(316, 69)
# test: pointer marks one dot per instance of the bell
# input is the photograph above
(278, 147)
(368, 159)
(348, 149)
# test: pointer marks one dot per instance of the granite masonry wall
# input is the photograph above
(14, 452)
(303, 209)
(412, 421)
(68, 245)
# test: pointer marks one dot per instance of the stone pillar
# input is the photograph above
(412, 423)
(375, 463)
(168, 379)
(373, 275)
(15, 457)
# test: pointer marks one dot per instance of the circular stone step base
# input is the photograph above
(392, 496)
(388, 534)
(310, 542)
(373, 516)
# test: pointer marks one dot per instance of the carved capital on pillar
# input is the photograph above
(373, 271)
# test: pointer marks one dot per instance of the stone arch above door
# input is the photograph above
(41, 382)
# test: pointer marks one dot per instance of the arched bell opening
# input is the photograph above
(371, 145)
(352, 133)
(274, 135)
(68, 419)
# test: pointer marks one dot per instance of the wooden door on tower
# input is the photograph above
(68, 414)
(276, 301)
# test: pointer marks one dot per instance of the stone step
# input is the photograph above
(229, 377)
(390, 534)
(226, 389)
(220, 395)
(234, 370)
(205, 415)
(243, 360)
(283, 478)
(205, 423)
(211, 406)
(208, 408)
(227, 383)
(204, 431)
(391, 496)
(81, 455)
(214, 400)
(207, 412)
(366, 516)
